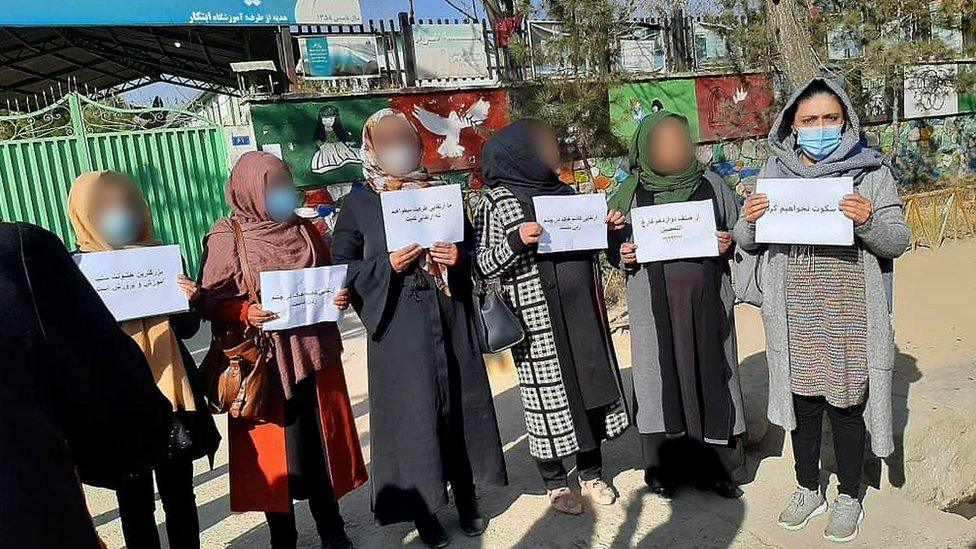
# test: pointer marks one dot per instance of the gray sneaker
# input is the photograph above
(842, 523)
(804, 505)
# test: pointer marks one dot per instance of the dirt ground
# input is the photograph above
(936, 328)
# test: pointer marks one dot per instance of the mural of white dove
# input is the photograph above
(450, 127)
(740, 95)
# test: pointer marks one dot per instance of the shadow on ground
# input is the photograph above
(702, 519)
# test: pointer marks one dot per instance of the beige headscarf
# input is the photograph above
(374, 175)
(381, 181)
(154, 335)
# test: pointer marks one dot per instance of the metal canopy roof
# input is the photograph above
(36, 62)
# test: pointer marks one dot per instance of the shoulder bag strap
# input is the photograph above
(252, 295)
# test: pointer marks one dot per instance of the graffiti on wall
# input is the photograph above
(930, 90)
(454, 126)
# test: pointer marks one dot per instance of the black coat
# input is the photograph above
(76, 394)
(200, 426)
(428, 387)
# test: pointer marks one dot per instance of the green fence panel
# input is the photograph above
(179, 159)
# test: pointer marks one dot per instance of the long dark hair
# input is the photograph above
(320, 130)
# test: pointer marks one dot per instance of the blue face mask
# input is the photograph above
(820, 141)
(281, 203)
(119, 226)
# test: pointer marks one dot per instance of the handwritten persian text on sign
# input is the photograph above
(805, 211)
(136, 283)
(576, 222)
(674, 231)
(301, 297)
(425, 216)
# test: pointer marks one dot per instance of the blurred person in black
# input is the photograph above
(77, 399)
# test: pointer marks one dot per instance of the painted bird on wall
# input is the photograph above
(451, 126)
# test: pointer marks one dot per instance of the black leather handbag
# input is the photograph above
(498, 327)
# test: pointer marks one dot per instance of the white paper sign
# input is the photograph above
(576, 222)
(805, 211)
(425, 216)
(136, 283)
(273, 148)
(301, 297)
(674, 231)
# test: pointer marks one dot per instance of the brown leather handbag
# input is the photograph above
(239, 365)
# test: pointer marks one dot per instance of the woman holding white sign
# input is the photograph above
(432, 419)
(108, 212)
(826, 309)
(307, 447)
(570, 384)
(685, 363)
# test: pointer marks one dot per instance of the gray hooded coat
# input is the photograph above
(644, 345)
(884, 237)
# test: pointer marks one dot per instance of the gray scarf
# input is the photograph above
(850, 159)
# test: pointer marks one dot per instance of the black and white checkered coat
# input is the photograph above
(547, 416)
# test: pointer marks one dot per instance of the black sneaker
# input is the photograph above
(657, 486)
(473, 524)
(431, 532)
(728, 490)
(336, 540)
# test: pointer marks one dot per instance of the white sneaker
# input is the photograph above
(803, 505)
(844, 519)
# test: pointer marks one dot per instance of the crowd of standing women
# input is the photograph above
(116, 407)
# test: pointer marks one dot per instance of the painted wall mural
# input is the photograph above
(717, 107)
(929, 149)
(320, 139)
(454, 126)
(731, 107)
(632, 102)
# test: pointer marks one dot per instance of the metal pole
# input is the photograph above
(409, 56)
(78, 125)
(286, 55)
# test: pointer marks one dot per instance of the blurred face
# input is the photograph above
(281, 198)
(820, 110)
(114, 195)
(117, 213)
(671, 147)
(397, 146)
(546, 146)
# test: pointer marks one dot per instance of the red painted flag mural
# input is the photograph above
(454, 125)
(731, 107)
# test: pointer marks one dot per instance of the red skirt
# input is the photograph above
(259, 464)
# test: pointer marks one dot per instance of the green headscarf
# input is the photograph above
(677, 187)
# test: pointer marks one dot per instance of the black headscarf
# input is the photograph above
(510, 159)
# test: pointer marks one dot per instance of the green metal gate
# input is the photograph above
(179, 159)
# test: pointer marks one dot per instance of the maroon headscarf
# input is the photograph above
(271, 246)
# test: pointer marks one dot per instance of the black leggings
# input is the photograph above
(589, 465)
(137, 507)
(308, 471)
(847, 426)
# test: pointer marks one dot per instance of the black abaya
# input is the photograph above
(432, 419)
(76, 395)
